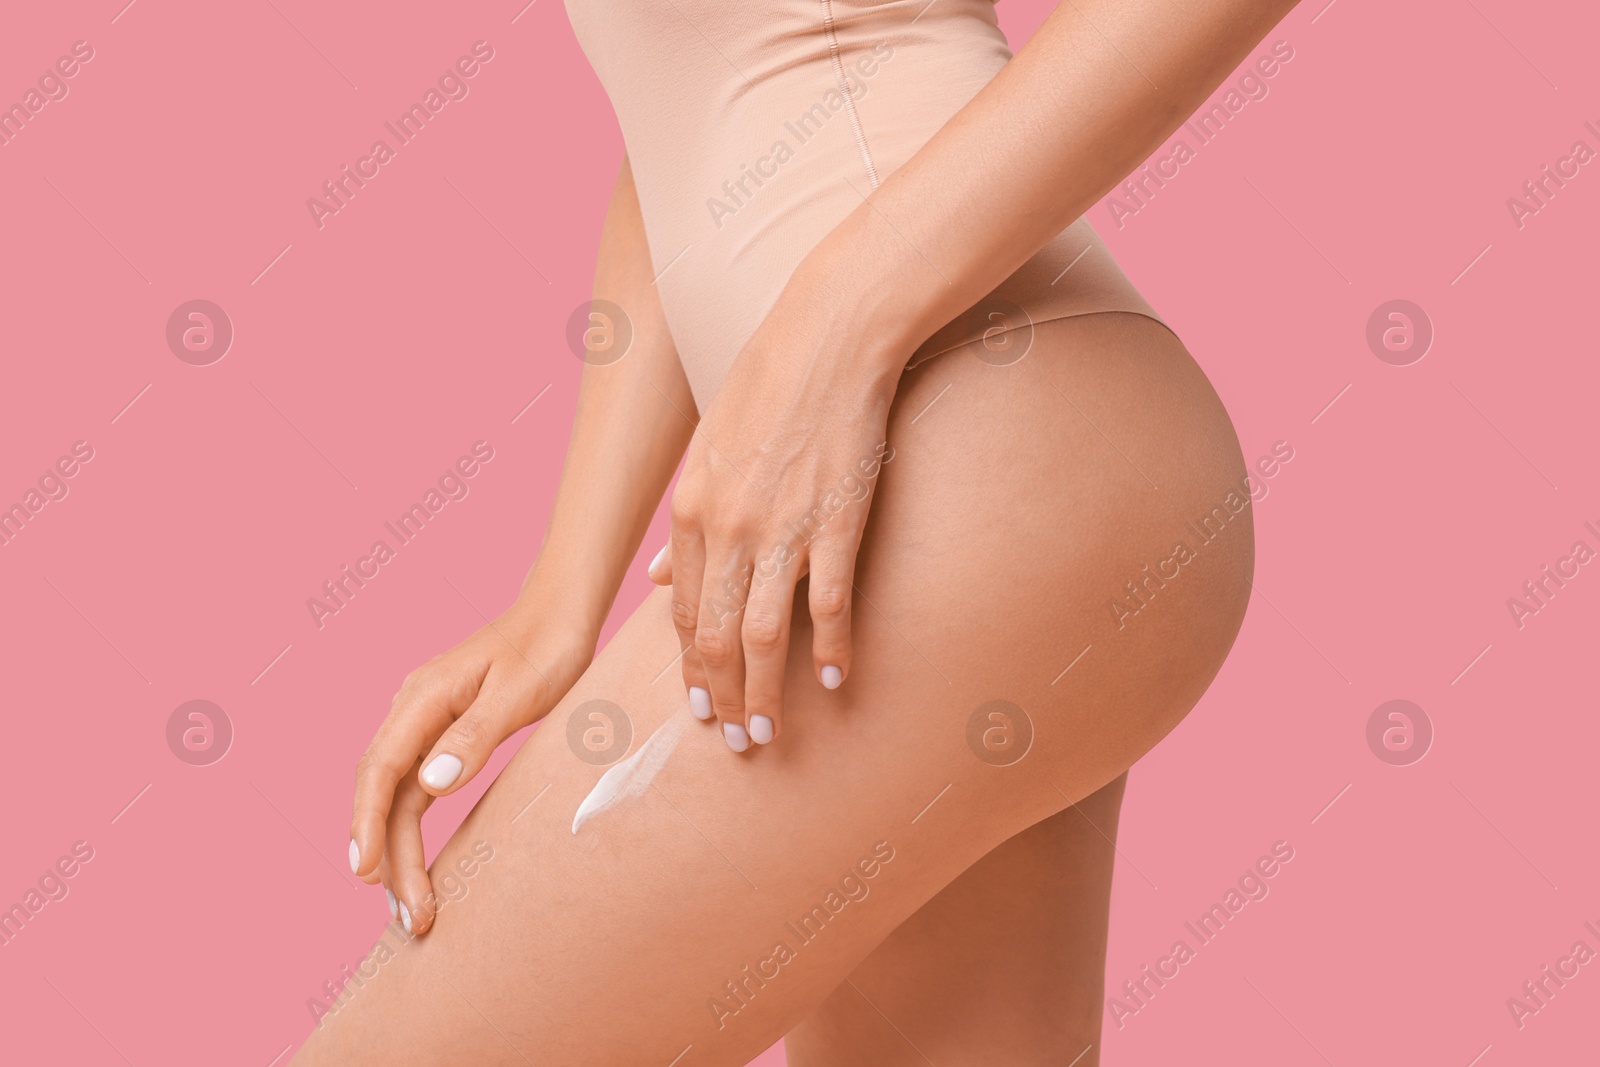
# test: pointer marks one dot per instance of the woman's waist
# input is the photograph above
(713, 303)
(665, 44)
(764, 80)
(777, 165)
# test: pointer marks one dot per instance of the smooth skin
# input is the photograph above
(608, 947)
(1014, 526)
(1005, 965)
(634, 420)
(807, 398)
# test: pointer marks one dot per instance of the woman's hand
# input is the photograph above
(449, 716)
(777, 484)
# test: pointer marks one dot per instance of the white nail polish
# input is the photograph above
(734, 734)
(405, 917)
(760, 729)
(355, 856)
(442, 771)
(700, 703)
(659, 557)
(832, 677)
(394, 905)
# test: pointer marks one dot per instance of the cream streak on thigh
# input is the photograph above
(632, 776)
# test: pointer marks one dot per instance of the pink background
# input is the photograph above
(427, 315)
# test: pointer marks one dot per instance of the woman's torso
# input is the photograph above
(754, 128)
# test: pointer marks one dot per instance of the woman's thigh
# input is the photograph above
(706, 917)
(1006, 965)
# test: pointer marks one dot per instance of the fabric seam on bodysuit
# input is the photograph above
(844, 88)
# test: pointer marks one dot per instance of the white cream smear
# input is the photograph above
(633, 775)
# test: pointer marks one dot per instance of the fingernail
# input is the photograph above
(832, 677)
(659, 557)
(760, 729)
(699, 703)
(355, 856)
(394, 905)
(734, 734)
(405, 917)
(442, 771)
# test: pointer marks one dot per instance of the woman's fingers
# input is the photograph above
(733, 601)
(408, 875)
(765, 638)
(719, 642)
(417, 715)
(660, 569)
(688, 564)
(833, 568)
(467, 745)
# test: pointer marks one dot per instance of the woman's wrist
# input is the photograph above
(856, 298)
(554, 599)
(872, 296)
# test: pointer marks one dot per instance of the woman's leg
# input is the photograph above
(1006, 965)
(701, 921)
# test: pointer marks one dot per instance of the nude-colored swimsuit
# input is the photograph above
(754, 127)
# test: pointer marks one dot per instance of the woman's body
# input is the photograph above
(607, 946)
(1005, 965)
(1022, 498)
(753, 130)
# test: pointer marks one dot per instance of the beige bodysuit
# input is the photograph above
(753, 127)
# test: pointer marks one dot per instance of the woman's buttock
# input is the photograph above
(994, 681)
(1075, 485)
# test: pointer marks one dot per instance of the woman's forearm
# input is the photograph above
(634, 419)
(1096, 90)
